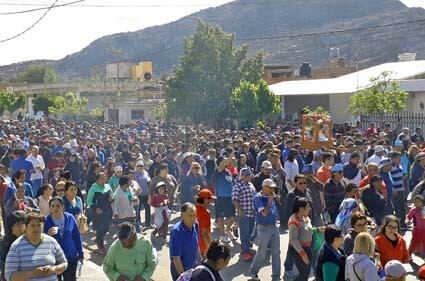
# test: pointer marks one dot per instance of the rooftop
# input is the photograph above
(352, 82)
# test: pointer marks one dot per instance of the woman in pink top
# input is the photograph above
(417, 215)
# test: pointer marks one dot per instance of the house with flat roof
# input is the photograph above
(333, 94)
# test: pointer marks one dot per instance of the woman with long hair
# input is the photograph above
(73, 203)
(361, 264)
(391, 245)
(373, 200)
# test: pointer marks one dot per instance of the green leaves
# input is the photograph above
(211, 68)
(38, 74)
(68, 104)
(11, 102)
(251, 101)
(384, 96)
(42, 103)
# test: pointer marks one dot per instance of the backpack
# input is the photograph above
(187, 275)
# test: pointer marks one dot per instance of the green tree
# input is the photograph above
(267, 101)
(11, 102)
(250, 102)
(211, 68)
(97, 113)
(69, 104)
(36, 73)
(384, 96)
(244, 101)
(42, 103)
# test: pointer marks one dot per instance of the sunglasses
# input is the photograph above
(302, 182)
(60, 190)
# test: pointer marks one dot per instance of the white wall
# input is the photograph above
(413, 102)
(125, 112)
(338, 107)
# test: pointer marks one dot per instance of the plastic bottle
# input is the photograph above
(79, 267)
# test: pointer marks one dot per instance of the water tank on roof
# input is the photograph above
(120, 70)
(407, 57)
(334, 53)
(305, 69)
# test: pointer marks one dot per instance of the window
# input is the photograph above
(137, 114)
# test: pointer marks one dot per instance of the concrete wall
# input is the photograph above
(291, 105)
(414, 101)
(125, 112)
(338, 107)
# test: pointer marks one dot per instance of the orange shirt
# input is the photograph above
(366, 180)
(204, 221)
(323, 174)
(388, 252)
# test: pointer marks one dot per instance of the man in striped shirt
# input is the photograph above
(398, 186)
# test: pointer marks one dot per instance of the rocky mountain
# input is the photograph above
(289, 32)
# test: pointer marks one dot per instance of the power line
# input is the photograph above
(313, 34)
(73, 4)
(31, 26)
(178, 45)
(38, 9)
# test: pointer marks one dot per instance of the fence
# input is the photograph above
(400, 120)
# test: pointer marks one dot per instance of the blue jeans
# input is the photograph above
(36, 184)
(246, 226)
(268, 236)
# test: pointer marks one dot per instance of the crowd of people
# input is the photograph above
(345, 208)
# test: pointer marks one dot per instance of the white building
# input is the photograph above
(333, 94)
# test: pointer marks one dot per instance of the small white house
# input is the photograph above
(333, 94)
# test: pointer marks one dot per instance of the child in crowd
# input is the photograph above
(161, 212)
(56, 176)
(417, 215)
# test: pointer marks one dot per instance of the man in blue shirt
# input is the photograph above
(224, 208)
(184, 249)
(21, 163)
(267, 231)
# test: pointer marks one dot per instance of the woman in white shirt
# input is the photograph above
(291, 169)
(45, 194)
(122, 206)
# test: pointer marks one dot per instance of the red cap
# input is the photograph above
(421, 272)
(206, 194)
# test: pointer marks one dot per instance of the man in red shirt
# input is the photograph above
(324, 172)
(205, 197)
